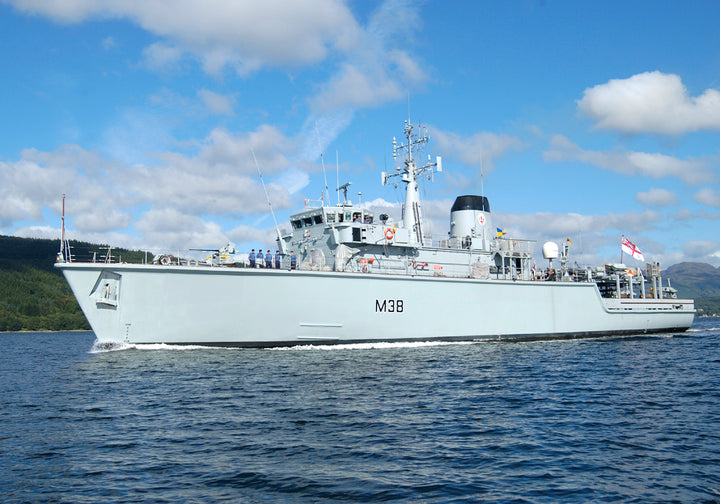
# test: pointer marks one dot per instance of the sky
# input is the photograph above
(177, 124)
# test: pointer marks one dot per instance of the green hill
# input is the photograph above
(694, 280)
(33, 294)
(699, 281)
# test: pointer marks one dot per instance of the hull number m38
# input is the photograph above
(389, 305)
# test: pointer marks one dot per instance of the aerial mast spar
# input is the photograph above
(61, 254)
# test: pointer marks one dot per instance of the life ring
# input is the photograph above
(389, 233)
(164, 260)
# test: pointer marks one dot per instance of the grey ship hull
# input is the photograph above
(263, 308)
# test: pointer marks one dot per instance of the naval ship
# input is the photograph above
(350, 276)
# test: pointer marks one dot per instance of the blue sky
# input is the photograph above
(590, 120)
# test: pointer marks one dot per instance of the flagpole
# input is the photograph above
(621, 249)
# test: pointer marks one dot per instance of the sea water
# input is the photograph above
(632, 419)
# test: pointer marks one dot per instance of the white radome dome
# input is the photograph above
(550, 250)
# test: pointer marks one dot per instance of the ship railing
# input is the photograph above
(511, 246)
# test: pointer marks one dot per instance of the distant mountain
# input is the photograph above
(694, 280)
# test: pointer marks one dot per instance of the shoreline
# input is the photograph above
(45, 331)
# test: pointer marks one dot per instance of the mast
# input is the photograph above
(61, 254)
(410, 173)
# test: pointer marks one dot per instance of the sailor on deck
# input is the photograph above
(293, 260)
(277, 259)
(260, 258)
(268, 260)
(252, 258)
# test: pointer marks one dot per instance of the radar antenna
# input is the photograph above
(344, 189)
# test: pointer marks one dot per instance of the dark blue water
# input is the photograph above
(605, 420)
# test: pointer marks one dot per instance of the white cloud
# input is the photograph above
(292, 180)
(101, 219)
(112, 238)
(244, 234)
(691, 171)
(161, 57)
(199, 194)
(37, 182)
(72, 157)
(222, 178)
(47, 232)
(318, 131)
(376, 71)
(702, 250)
(708, 196)
(683, 214)
(572, 223)
(657, 197)
(596, 238)
(218, 180)
(479, 149)
(28, 186)
(176, 229)
(217, 104)
(357, 88)
(650, 102)
(108, 43)
(246, 35)
(227, 152)
(223, 152)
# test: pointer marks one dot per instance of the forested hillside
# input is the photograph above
(33, 294)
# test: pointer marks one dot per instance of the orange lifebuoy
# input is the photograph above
(389, 233)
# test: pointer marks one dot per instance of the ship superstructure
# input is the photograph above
(351, 238)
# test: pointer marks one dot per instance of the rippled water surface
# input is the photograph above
(598, 420)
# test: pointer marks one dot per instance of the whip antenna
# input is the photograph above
(482, 184)
(322, 161)
(267, 197)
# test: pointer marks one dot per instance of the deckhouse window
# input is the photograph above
(296, 224)
(318, 219)
(307, 221)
